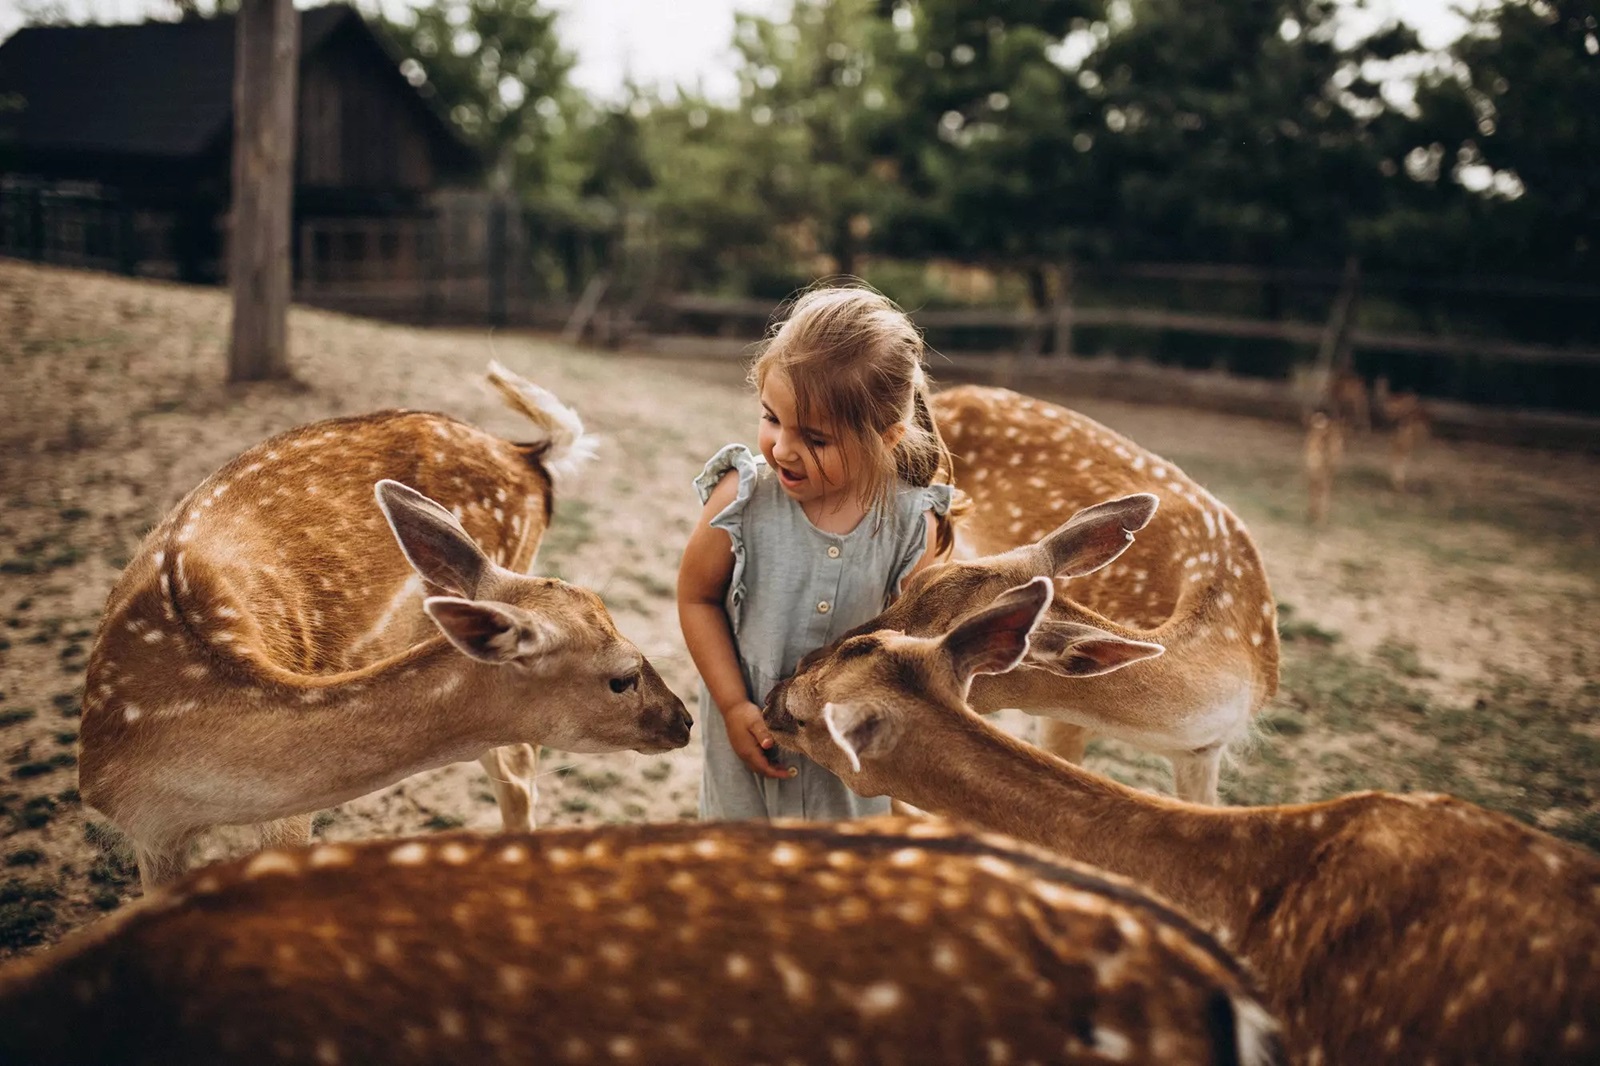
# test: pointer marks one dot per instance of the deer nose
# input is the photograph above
(775, 713)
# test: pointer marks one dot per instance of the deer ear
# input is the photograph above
(494, 633)
(995, 639)
(860, 730)
(1072, 649)
(432, 539)
(1096, 535)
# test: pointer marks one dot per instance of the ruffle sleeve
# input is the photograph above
(731, 518)
(935, 498)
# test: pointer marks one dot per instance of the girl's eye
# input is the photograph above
(768, 417)
(818, 444)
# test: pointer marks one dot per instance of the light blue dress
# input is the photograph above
(795, 589)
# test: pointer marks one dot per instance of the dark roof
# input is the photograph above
(159, 90)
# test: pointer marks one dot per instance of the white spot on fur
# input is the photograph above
(880, 999)
(132, 713)
(409, 854)
(270, 862)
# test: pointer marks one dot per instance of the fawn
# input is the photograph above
(269, 651)
(876, 941)
(1385, 928)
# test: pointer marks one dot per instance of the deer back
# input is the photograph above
(872, 941)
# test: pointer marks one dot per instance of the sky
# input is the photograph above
(687, 42)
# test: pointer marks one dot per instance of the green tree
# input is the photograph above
(1239, 131)
(1497, 171)
(499, 69)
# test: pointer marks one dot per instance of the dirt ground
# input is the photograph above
(1439, 639)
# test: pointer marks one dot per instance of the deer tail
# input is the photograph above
(567, 445)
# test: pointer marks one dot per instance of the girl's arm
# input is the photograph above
(703, 577)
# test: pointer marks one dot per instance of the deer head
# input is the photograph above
(935, 598)
(848, 709)
(550, 643)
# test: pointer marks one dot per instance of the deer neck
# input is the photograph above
(1211, 862)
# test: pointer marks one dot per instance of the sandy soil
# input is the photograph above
(113, 404)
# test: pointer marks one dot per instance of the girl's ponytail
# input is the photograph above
(922, 458)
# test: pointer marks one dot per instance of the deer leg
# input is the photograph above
(1063, 739)
(511, 774)
(291, 832)
(164, 861)
(1195, 773)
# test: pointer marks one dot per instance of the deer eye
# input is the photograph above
(623, 684)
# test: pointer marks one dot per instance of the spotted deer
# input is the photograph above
(1385, 928)
(1193, 583)
(1324, 451)
(876, 941)
(1407, 420)
(271, 651)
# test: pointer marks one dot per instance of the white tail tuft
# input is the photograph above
(570, 446)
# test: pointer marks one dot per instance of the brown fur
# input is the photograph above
(1386, 928)
(265, 654)
(1193, 582)
(871, 941)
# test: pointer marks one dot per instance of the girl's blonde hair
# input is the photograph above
(850, 353)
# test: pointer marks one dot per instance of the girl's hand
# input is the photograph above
(747, 732)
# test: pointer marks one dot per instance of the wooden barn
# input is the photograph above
(115, 148)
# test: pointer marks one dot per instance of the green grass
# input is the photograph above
(1344, 723)
(441, 822)
(27, 912)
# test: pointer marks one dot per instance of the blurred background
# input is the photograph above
(1405, 190)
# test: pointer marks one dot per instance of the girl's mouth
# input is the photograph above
(789, 479)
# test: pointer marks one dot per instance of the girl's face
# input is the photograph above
(810, 460)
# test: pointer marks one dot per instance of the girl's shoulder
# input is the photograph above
(746, 490)
(913, 500)
(730, 458)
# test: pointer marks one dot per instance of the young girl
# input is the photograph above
(810, 539)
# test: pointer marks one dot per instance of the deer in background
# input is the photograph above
(1385, 928)
(875, 941)
(270, 651)
(1192, 584)
(1324, 451)
(1407, 420)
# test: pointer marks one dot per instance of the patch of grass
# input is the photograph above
(16, 714)
(321, 820)
(67, 737)
(604, 781)
(649, 583)
(659, 770)
(441, 822)
(1402, 658)
(40, 767)
(74, 514)
(35, 813)
(70, 704)
(571, 527)
(575, 805)
(27, 910)
(25, 857)
(1292, 630)
(1520, 746)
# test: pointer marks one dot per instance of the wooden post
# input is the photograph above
(266, 69)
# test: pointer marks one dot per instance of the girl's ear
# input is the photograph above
(894, 435)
